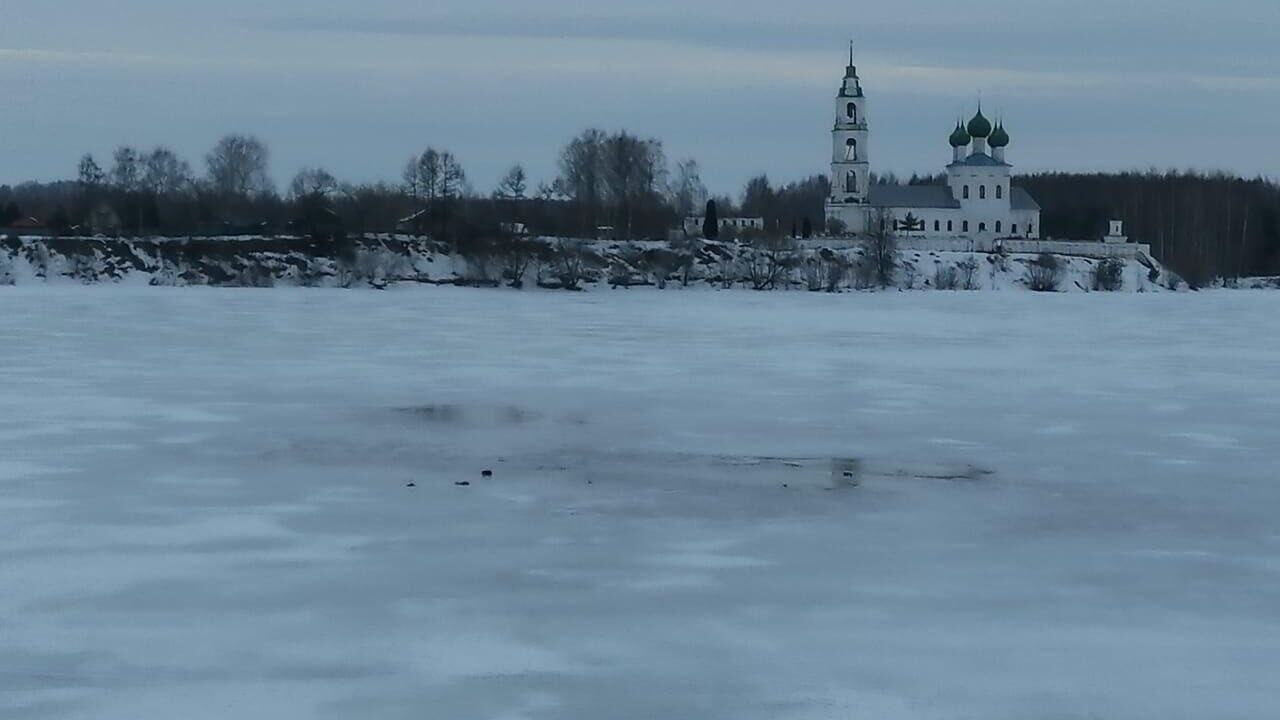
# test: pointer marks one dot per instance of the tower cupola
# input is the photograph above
(980, 129)
(979, 126)
(959, 141)
(999, 140)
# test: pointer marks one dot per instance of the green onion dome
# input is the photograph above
(960, 138)
(979, 126)
(999, 138)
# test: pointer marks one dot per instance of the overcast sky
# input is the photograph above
(745, 86)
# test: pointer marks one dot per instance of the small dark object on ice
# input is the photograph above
(487, 474)
(412, 485)
(463, 483)
(785, 485)
(846, 472)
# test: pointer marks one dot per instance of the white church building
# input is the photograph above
(978, 202)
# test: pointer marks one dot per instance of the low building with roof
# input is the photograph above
(978, 202)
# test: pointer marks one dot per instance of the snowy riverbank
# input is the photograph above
(383, 260)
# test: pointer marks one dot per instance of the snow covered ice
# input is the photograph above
(1066, 505)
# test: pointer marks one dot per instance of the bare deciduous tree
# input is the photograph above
(313, 183)
(1108, 275)
(968, 271)
(1044, 274)
(164, 173)
(769, 260)
(880, 247)
(518, 253)
(237, 167)
(582, 176)
(688, 193)
(946, 277)
(513, 185)
(570, 259)
(90, 174)
(127, 170)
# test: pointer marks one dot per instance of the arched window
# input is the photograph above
(852, 112)
(982, 192)
(850, 149)
(999, 192)
(966, 226)
(950, 227)
(982, 227)
(999, 224)
(851, 182)
(966, 192)
(937, 225)
(1031, 230)
(1013, 228)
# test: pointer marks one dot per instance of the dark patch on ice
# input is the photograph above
(463, 483)
(486, 474)
(846, 472)
(971, 473)
(850, 472)
(473, 416)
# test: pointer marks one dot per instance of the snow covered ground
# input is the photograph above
(1067, 508)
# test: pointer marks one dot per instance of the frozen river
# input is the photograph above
(1067, 510)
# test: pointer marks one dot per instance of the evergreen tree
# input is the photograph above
(11, 214)
(806, 229)
(711, 223)
(60, 222)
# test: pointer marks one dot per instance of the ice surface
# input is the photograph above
(1066, 505)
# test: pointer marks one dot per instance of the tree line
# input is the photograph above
(608, 183)
(612, 184)
(1205, 226)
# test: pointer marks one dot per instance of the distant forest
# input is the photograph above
(1205, 226)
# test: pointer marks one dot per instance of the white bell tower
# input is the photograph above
(850, 151)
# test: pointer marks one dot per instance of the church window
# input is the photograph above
(851, 182)
(937, 225)
(982, 227)
(999, 192)
(1014, 228)
(950, 227)
(982, 192)
(852, 112)
(1031, 230)
(998, 226)
(966, 192)
(850, 149)
(966, 226)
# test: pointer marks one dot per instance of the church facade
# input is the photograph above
(978, 202)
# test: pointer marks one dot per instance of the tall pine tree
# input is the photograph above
(711, 223)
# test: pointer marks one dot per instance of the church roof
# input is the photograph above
(912, 196)
(1020, 199)
(937, 197)
(980, 160)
